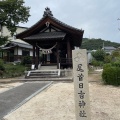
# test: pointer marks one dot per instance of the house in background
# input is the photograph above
(109, 49)
(89, 56)
(15, 49)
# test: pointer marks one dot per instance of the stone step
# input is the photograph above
(70, 79)
(42, 76)
(43, 73)
(46, 71)
(48, 67)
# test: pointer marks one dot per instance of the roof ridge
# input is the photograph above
(65, 23)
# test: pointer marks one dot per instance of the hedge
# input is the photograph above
(111, 75)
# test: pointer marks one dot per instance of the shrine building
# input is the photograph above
(52, 41)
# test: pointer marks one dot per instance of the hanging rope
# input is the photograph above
(46, 51)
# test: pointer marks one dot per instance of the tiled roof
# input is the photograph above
(109, 48)
(22, 45)
(65, 25)
(33, 32)
(46, 35)
(56, 20)
(14, 44)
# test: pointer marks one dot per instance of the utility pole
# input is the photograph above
(118, 23)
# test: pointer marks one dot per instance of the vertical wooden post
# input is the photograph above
(80, 71)
(17, 52)
(68, 49)
(57, 48)
(33, 61)
(2, 55)
(43, 58)
(37, 57)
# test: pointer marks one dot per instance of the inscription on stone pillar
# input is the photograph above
(81, 89)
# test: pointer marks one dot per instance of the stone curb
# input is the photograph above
(37, 79)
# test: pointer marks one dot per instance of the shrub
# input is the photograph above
(13, 70)
(2, 68)
(117, 64)
(108, 59)
(99, 55)
(111, 75)
(27, 60)
(97, 63)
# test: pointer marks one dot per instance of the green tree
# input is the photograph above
(99, 55)
(3, 40)
(94, 44)
(108, 59)
(116, 56)
(116, 53)
(12, 12)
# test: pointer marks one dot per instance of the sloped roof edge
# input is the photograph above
(55, 20)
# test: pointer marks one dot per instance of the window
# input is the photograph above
(25, 53)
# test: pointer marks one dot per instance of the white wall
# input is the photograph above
(19, 51)
(20, 29)
(89, 56)
(31, 53)
(6, 32)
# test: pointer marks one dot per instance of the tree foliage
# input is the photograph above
(26, 60)
(111, 74)
(3, 40)
(116, 53)
(12, 12)
(99, 55)
(94, 44)
(108, 59)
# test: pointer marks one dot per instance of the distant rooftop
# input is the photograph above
(109, 48)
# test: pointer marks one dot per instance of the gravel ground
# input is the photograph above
(57, 103)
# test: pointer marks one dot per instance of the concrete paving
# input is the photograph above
(13, 98)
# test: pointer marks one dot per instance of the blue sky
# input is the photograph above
(98, 18)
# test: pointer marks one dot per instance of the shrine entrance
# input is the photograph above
(52, 41)
(48, 56)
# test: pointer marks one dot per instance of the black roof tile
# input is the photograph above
(46, 35)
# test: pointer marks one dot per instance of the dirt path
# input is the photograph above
(57, 103)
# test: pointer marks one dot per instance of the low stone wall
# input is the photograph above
(66, 73)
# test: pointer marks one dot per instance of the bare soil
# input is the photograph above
(57, 102)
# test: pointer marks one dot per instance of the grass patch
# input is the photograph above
(12, 70)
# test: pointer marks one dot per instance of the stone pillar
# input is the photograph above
(81, 88)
